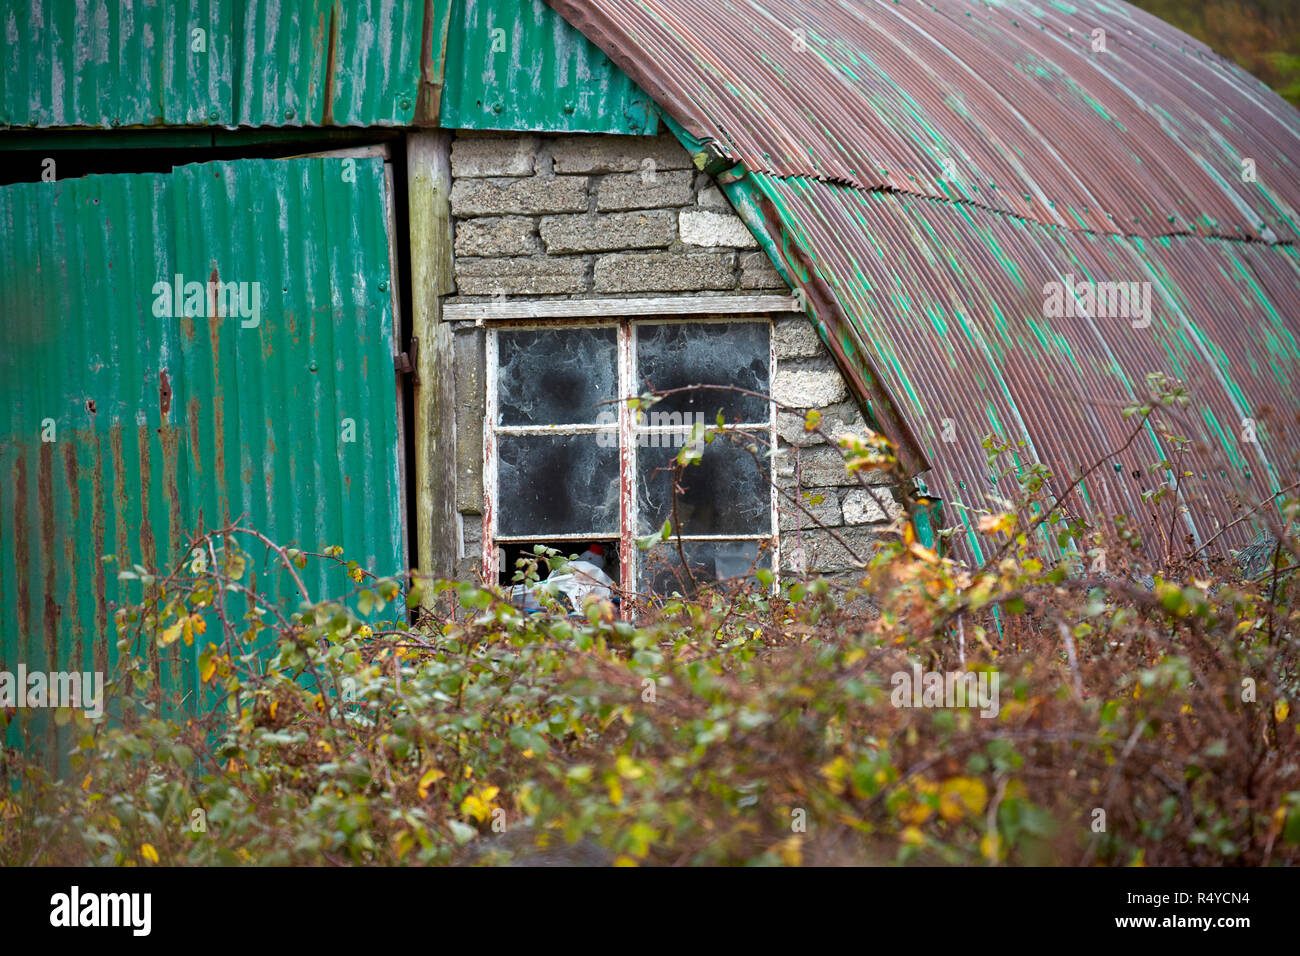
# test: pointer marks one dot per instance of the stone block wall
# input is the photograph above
(583, 216)
(812, 470)
(595, 216)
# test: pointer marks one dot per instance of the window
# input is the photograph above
(569, 464)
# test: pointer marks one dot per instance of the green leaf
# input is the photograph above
(236, 564)
(1291, 832)
(462, 833)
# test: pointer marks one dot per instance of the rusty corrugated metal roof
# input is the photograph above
(947, 302)
(1122, 165)
(1147, 137)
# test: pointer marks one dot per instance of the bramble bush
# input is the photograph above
(1145, 711)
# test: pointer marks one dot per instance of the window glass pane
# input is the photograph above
(661, 570)
(679, 354)
(726, 492)
(558, 484)
(557, 376)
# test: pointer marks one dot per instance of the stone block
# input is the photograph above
(518, 197)
(637, 191)
(602, 233)
(664, 272)
(534, 275)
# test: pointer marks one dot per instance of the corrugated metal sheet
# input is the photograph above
(114, 63)
(1145, 138)
(165, 425)
(948, 307)
(1115, 165)
(516, 65)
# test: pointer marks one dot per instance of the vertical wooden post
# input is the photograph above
(428, 163)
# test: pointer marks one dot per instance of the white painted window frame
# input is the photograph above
(627, 429)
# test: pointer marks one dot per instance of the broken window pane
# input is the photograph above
(556, 376)
(679, 354)
(661, 570)
(558, 484)
(726, 492)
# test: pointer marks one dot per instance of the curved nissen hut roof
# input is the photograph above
(926, 173)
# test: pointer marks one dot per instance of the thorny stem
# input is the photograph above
(1048, 512)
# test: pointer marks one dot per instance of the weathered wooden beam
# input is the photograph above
(578, 308)
(428, 163)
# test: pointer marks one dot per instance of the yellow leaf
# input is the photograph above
(170, 635)
(472, 806)
(431, 776)
(527, 800)
(275, 705)
(836, 772)
(1279, 818)
(962, 796)
(149, 853)
(85, 784)
(210, 669)
(1281, 710)
(1003, 522)
(912, 836)
(914, 813)
(925, 785)
(625, 861)
(924, 553)
(991, 846)
(187, 631)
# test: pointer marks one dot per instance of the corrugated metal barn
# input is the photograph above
(235, 231)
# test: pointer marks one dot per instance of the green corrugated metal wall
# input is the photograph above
(113, 63)
(166, 424)
(500, 64)
(518, 65)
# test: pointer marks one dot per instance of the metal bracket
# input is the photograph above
(407, 363)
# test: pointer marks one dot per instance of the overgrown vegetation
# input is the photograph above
(1144, 713)
(1260, 36)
